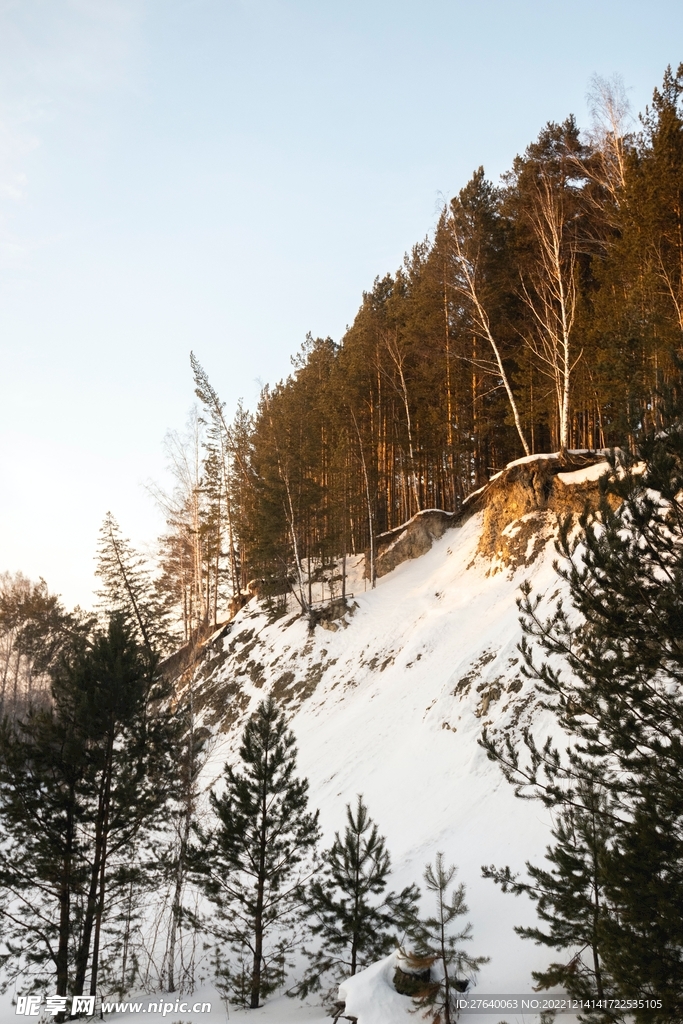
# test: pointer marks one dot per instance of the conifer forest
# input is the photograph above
(543, 314)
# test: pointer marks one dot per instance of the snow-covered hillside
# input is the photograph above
(390, 702)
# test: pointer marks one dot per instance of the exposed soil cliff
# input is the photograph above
(519, 504)
(522, 503)
(409, 540)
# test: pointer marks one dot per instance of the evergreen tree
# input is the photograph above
(255, 861)
(128, 588)
(130, 735)
(354, 918)
(80, 779)
(570, 895)
(544, 314)
(436, 947)
(614, 681)
(43, 763)
(35, 629)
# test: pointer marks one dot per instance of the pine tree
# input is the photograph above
(545, 313)
(353, 917)
(80, 780)
(614, 683)
(128, 588)
(129, 734)
(435, 947)
(570, 895)
(254, 863)
(43, 763)
(35, 629)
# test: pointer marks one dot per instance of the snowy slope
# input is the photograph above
(393, 705)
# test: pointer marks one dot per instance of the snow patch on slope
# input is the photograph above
(371, 997)
(585, 474)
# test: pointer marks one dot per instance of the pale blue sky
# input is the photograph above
(224, 176)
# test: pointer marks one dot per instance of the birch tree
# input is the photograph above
(548, 202)
(549, 291)
(469, 214)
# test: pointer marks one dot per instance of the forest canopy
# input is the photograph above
(544, 314)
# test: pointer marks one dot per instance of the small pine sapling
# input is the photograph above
(356, 921)
(257, 860)
(435, 948)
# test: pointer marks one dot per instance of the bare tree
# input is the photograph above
(227, 449)
(287, 502)
(371, 531)
(397, 357)
(467, 259)
(549, 290)
(611, 120)
(184, 513)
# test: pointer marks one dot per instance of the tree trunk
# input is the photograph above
(444, 959)
(65, 905)
(102, 879)
(397, 359)
(469, 290)
(126, 938)
(449, 399)
(369, 506)
(260, 886)
(91, 904)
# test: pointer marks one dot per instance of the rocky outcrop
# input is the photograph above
(410, 540)
(529, 495)
(332, 615)
(517, 503)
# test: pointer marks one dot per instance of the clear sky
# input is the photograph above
(224, 176)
